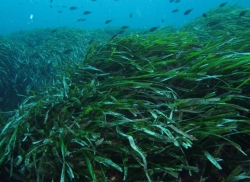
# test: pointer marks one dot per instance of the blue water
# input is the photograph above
(29, 14)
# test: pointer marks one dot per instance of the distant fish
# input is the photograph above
(67, 51)
(91, 41)
(50, 6)
(162, 20)
(204, 15)
(222, 4)
(212, 23)
(121, 31)
(188, 11)
(59, 11)
(115, 35)
(93, 0)
(171, 1)
(54, 30)
(177, 1)
(73, 8)
(108, 21)
(153, 29)
(51, 1)
(87, 12)
(175, 10)
(81, 19)
(130, 15)
(243, 13)
(124, 27)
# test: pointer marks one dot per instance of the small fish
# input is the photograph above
(113, 37)
(73, 8)
(121, 31)
(175, 10)
(171, 1)
(177, 1)
(108, 21)
(130, 15)
(188, 11)
(162, 20)
(222, 4)
(204, 15)
(153, 29)
(67, 51)
(51, 1)
(53, 31)
(124, 27)
(87, 12)
(50, 6)
(59, 11)
(212, 23)
(93, 0)
(243, 13)
(81, 19)
(91, 41)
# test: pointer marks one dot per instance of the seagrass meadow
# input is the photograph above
(158, 106)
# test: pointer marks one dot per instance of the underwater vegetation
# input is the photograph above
(156, 106)
(32, 60)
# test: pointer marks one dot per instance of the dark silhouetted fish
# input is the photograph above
(81, 19)
(113, 37)
(222, 4)
(177, 1)
(67, 51)
(51, 1)
(87, 12)
(162, 20)
(124, 27)
(91, 41)
(93, 0)
(108, 21)
(130, 15)
(53, 31)
(171, 1)
(243, 13)
(188, 11)
(212, 23)
(153, 29)
(59, 11)
(73, 8)
(121, 31)
(175, 10)
(204, 15)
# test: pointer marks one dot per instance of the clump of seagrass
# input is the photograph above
(31, 60)
(152, 107)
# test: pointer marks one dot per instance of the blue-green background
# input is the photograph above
(15, 14)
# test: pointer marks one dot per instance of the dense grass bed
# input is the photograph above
(157, 106)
